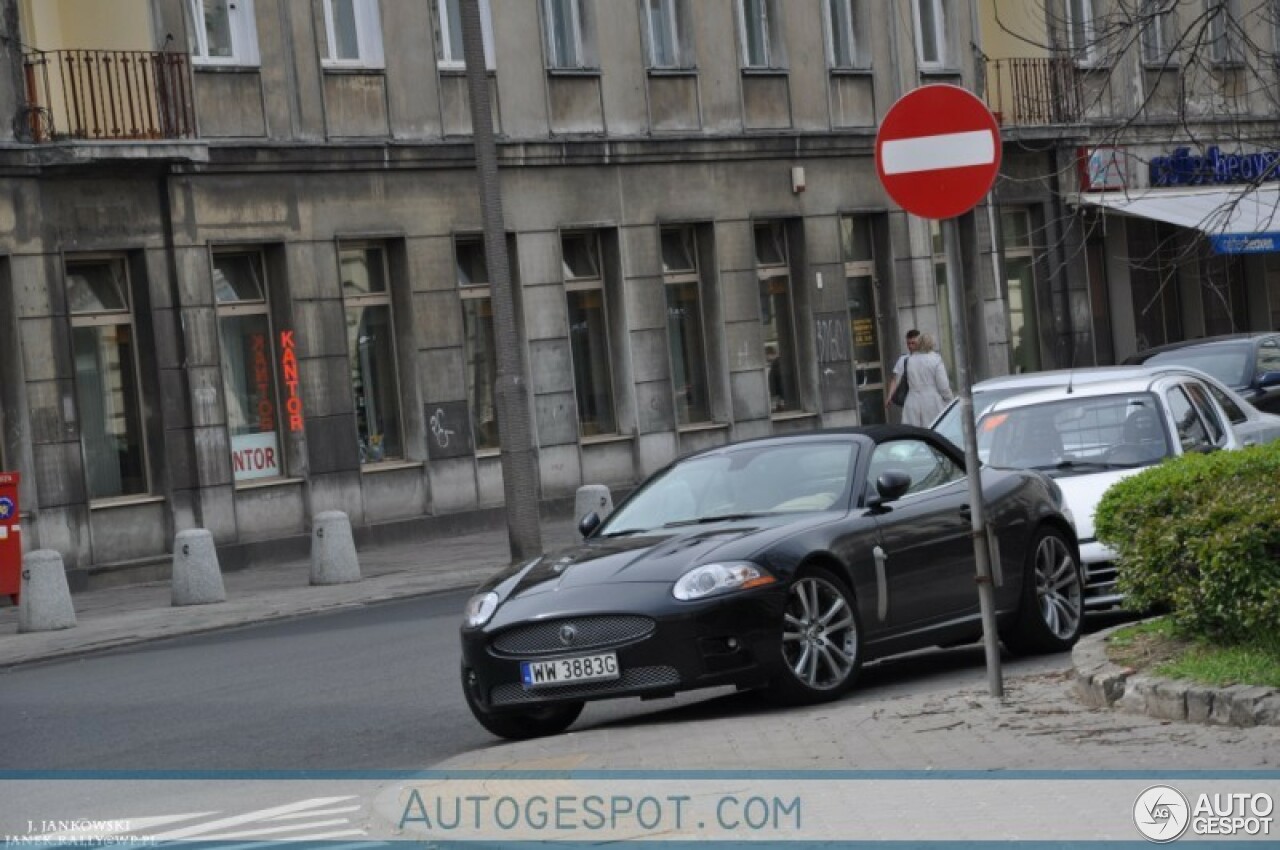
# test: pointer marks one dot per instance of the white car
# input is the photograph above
(1090, 428)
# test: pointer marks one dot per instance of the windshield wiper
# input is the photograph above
(703, 520)
(626, 532)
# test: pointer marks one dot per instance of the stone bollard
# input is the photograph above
(197, 578)
(44, 603)
(592, 497)
(333, 550)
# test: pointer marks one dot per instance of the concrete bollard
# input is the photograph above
(197, 578)
(44, 603)
(333, 550)
(592, 497)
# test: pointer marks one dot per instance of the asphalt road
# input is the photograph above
(367, 689)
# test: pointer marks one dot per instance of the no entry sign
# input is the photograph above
(938, 151)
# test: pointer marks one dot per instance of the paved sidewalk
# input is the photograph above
(122, 616)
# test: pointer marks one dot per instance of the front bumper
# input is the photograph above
(663, 645)
(1100, 572)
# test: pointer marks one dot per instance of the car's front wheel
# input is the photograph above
(821, 640)
(534, 722)
(1051, 611)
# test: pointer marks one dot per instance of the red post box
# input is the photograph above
(10, 537)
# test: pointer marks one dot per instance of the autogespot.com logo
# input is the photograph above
(1161, 813)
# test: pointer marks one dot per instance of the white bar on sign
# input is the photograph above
(932, 153)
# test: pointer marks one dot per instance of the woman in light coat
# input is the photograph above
(928, 389)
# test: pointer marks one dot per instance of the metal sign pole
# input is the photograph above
(960, 346)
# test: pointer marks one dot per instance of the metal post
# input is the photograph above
(960, 346)
(515, 430)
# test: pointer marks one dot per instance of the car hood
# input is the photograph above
(1083, 492)
(657, 557)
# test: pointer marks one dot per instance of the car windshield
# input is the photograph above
(949, 425)
(751, 481)
(1227, 363)
(1076, 436)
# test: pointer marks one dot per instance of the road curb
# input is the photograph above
(1100, 683)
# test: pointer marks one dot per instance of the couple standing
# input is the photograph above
(928, 388)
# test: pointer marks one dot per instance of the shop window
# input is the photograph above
(686, 339)
(353, 34)
(1153, 282)
(248, 354)
(1020, 284)
(668, 34)
(108, 397)
(777, 316)
(371, 350)
(476, 296)
(223, 32)
(450, 21)
(760, 34)
(1223, 296)
(860, 297)
(589, 333)
(568, 36)
(931, 33)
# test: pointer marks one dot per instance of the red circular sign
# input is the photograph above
(938, 151)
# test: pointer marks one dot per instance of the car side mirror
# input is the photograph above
(892, 485)
(588, 524)
(1269, 379)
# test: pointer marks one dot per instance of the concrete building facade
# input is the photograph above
(245, 285)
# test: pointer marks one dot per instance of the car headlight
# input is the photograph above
(712, 579)
(480, 609)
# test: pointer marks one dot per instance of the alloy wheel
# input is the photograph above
(1058, 591)
(819, 634)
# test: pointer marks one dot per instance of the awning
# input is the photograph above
(1237, 220)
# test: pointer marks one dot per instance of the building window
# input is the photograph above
(451, 53)
(668, 34)
(481, 341)
(1225, 33)
(685, 337)
(1080, 30)
(371, 349)
(353, 34)
(776, 316)
(1155, 22)
(842, 34)
(864, 331)
(248, 365)
(588, 333)
(1153, 281)
(1020, 278)
(931, 33)
(223, 32)
(107, 379)
(760, 33)
(941, 282)
(568, 47)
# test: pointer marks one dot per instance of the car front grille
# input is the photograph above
(635, 679)
(1100, 585)
(588, 633)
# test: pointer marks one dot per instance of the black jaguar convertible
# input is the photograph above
(782, 563)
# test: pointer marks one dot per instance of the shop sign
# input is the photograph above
(289, 365)
(1246, 243)
(1102, 168)
(255, 456)
(1214, 167)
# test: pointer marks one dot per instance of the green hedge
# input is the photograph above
(1200, 535)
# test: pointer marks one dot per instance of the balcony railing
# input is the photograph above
(107, 95)
(1035, 92)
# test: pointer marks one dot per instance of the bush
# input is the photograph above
(1200, 535)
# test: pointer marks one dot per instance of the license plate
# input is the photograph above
(583, 668)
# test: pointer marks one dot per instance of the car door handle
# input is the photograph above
(966, 511)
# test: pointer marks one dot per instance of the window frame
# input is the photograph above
(1226, 47)
(573, 285)
(1154, 38)
(675, 21)
(686, 277)
(1087, 53)
(468, 292)
(450, 59)
(110, 319)
(768, 271)
(854, 47)
(1027, 252)
(368, 24)
(772, 43)
(385, 300)
(554, 61)
(939, 35)
(242, 28)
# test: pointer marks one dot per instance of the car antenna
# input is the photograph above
(1071, 376)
